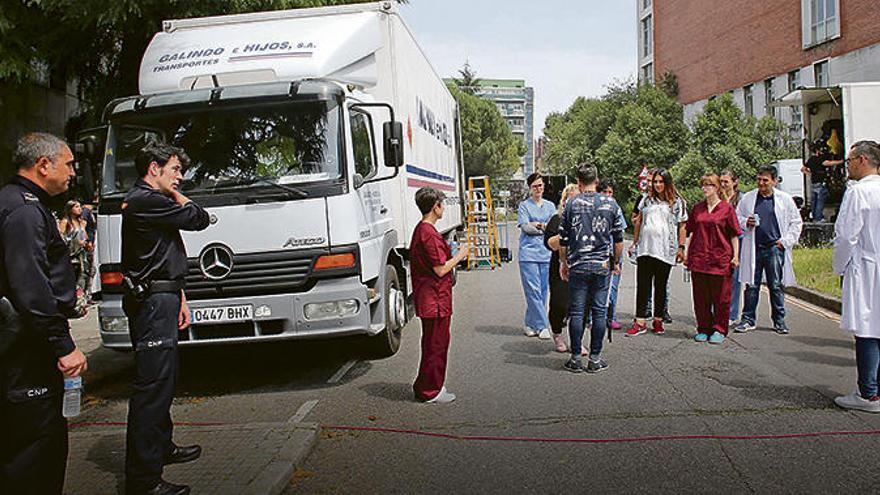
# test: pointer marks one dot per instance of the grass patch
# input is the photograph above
(813, 270)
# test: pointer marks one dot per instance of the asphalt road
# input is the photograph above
(511, 387)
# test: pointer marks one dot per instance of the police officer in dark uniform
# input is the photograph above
(36, 277)
(154, 265)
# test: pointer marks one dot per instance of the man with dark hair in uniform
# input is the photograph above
(36, 277)
(154, 265)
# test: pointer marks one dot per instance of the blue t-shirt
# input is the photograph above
(591, 224)
(767, 233)
(531, 247)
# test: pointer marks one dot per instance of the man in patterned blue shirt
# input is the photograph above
(591, 240)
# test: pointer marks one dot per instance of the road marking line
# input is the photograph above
(342, 371)
(303, 411)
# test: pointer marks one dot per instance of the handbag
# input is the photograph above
(10, 325)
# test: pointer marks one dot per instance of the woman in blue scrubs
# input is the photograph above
(534, 257)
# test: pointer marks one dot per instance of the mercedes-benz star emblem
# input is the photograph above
(216, 262)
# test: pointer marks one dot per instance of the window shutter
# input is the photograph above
(806, 9)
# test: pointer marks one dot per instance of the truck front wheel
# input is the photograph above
(387, 343)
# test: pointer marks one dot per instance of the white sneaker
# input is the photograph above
(559, 341)
(444, 397)
(855, 401)
(529, 332)
(545, 334)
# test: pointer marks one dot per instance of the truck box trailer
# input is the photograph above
(848, 111)
(308, 133)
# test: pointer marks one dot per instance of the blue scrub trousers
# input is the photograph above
(535, 278)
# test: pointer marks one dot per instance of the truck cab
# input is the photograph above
(291, 123)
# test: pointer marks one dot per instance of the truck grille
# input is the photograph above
(262, 274)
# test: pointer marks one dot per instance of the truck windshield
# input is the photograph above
(233, 147)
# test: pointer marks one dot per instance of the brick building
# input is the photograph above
(758, 50)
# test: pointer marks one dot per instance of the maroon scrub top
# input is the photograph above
(432, 294)
(710, 250)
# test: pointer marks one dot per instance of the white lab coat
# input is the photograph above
(790, 225)
(856, 257)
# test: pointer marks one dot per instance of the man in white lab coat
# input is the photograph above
(856, 258)
(772, 226)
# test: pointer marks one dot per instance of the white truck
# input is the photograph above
(308, 132)
(850, 109)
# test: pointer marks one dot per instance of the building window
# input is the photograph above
(647, 36)
(794, 82)
(820, 21)
(820, 71)
(748, 101)
(648, 73)
(769, 96)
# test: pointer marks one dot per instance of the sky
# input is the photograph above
(563, 49)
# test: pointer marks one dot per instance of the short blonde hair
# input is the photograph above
(565, 192)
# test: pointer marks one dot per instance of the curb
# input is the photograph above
(275, 477)
(816, 298)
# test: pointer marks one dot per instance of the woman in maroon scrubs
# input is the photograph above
(712, 255)
(431, 264)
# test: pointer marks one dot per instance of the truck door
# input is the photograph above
(373, 194)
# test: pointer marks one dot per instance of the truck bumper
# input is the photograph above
(275, 317)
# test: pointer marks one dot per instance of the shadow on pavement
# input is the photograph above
(251, 368)
(498, 330)
(108, 455)
(797, 396)
(823, 342)
(819, 358)
(397, 392)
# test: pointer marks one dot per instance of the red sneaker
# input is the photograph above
(657, 328)
(636, 329)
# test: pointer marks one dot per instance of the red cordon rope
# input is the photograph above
(478, 438)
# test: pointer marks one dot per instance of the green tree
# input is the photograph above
(99, 44)
(723, 138)
(488, 146)
(649, 130)
(468, 81)
(575, 135)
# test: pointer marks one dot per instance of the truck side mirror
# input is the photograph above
(393, 144)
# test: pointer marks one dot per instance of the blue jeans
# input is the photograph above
(612, 297)
(768, 261)
(535, 278)
(868, 363)
(587, 290)
(735, 296)
(820, 195)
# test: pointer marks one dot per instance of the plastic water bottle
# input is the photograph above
(453, 246)
(72, 397)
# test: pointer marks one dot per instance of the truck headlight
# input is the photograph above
(114, 324)
(329, 310)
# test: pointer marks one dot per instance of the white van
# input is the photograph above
(791, 179)
(309, 132)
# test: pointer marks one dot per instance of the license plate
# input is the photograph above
(223, 314)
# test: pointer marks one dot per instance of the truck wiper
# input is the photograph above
(269, 182)
(299, 193)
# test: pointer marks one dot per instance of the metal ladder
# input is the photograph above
(482, 231)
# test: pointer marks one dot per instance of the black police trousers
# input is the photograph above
(33, 433)
(153, 330)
